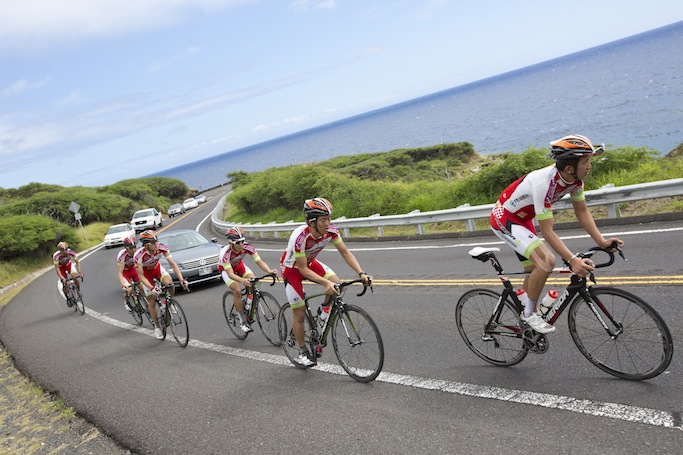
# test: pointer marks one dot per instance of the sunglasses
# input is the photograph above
(239, 242)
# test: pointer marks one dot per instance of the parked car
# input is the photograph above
(176, 209)
(146, 219)
(190, 203)
(117, 233)
(196, 256)
(200, 198)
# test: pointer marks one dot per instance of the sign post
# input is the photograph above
(75, 207)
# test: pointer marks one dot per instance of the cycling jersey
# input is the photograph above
(227, 258)
(64, 261)
(126, 263)
(303, 244)
(150, 261)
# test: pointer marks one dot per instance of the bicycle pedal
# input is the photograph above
(318, 351)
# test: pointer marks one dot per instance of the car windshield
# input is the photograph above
(189, 200)
(142, 214)
(183, 240)
(175, 206)
(120, 228)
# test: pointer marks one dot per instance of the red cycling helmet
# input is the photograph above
(313, 208)
(235, 234)
(129, 242)
(574, 146)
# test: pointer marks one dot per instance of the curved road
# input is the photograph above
(222, 395)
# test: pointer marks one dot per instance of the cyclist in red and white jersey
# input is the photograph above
(533, 196)
(148, 267)
(299, 262)
(235, 271)
(66, 262)
(127, 272)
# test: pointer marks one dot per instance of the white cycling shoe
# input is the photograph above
(537, 323)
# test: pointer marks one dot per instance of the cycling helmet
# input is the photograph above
(313, 208)
(575, 146)
(148, 237)
(129, 242)
(235, 234)
(63, 246)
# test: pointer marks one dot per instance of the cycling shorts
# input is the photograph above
(522, 238)
(69, 268)
(130, 275)
(157, 272)
(240, 270)
(294, 281)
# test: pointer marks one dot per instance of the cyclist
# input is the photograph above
(127, 272)
(235, 270)
(148, 268)
(533, 195)
(66, 262)
(299, 262)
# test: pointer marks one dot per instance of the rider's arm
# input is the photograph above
(351, 260)
(262, 264)
(588, 223)
(176, 269)
(143, 278)
(122, 280)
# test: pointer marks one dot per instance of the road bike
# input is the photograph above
(171, 314)
(615, 330)
(73, 294)
(137, 304)
(264, 308)
(356, 340)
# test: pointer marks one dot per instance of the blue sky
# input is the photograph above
(96, 91)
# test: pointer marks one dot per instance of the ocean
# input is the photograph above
(625, 93)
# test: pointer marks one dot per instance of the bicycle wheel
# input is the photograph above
(357, 343)
(178, 323)
(267, 310)
(79, 305)
(287, 340)
(501, 342)
(162, 320)
(231, 316)
(134, 309)
(641, 347)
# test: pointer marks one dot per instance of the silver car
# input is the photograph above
(176, 209)
(196, 256)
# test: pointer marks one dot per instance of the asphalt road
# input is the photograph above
(222, 395)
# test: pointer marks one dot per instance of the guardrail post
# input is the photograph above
(612, 209)
(469, 224)
(345, 231)
(380, 228)
(419, 228)
(276, 234)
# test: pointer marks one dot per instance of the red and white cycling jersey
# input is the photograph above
(150, 261)
(228, 258)
(533, 195)
(63, 259)
(126, 260)
(301, 243)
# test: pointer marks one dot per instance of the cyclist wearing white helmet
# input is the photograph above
(66, 262)
(299, 262)
(532, 196)
(235, 271)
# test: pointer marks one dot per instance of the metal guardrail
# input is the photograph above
(609, 196)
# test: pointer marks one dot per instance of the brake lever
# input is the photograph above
(621, 253)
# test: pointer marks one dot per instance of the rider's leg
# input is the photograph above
(543, 261)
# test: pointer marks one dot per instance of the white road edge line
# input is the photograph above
(614, 411)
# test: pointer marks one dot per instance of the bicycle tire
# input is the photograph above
(78, 304)
(502, 344)
(642, 350)
(134, 309)
(267, 309)
(357, 343)
(231, 316)
(178, 323)
(287, 340)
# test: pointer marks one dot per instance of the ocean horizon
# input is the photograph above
(624, 93)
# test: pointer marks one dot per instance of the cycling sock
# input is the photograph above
(529, 307)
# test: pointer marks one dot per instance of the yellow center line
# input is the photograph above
(614, 280)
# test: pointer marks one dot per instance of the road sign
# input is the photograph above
(74, 207)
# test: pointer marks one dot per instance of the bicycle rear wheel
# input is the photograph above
(357, 343)
(231, 316)
(178, 323)
(267, 310)
(287, 339)
(641, 347)
(133, 308)
(498, 342)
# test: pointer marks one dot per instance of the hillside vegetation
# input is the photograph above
(431, 178)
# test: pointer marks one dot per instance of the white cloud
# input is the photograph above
(305, 5)
(23, 85)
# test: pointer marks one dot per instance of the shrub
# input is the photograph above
(33, 236)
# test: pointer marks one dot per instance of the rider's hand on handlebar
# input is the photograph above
(581, 266)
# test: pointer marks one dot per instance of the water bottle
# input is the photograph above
(521, 295)
(247, 303)
(548, 301)
(323, 314)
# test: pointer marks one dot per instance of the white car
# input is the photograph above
(190, 203)
(176, 209)
(146, 219)
(117, 233)
(200, 198)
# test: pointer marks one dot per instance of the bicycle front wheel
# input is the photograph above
(640, 344)
(79, 305)
(133, 308)
(231, 316)
(495, 338)
(357, 343)
(178, 323)
(287, 339)
(267, 310)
